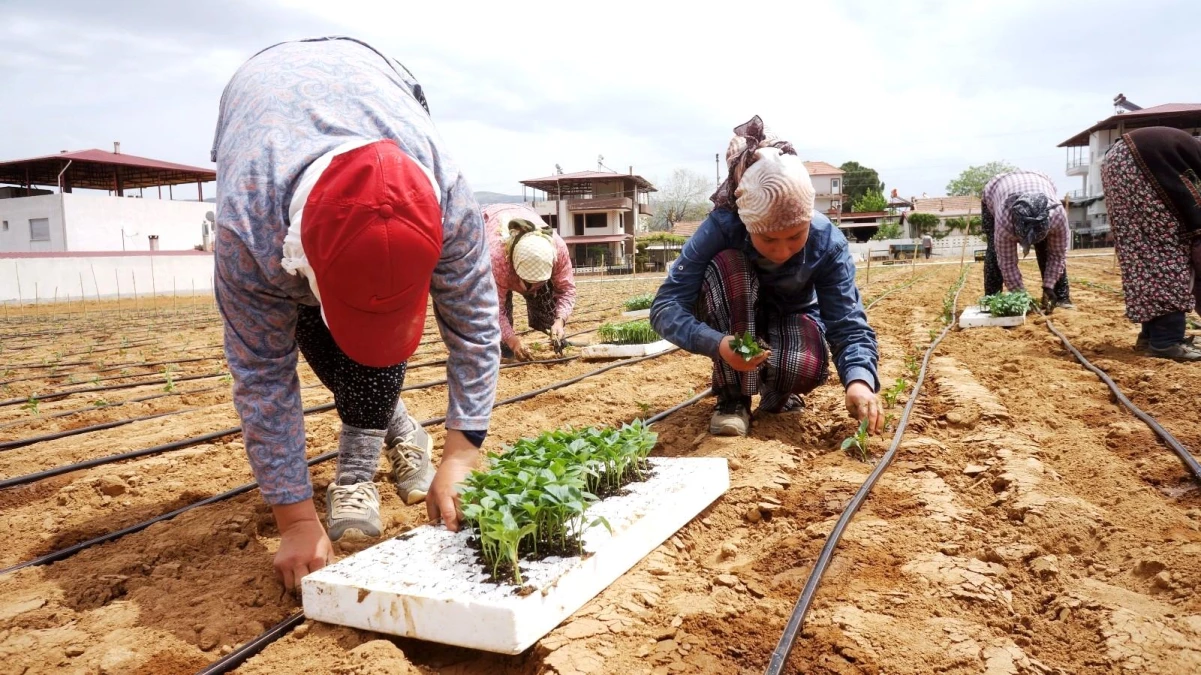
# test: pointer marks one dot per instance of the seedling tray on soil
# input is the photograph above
(637, 314)
(429, 584)
(976, 316)
(608, 351)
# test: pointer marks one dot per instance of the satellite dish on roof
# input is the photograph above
(210, 217)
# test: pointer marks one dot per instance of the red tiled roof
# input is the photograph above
(105, 157)
(1140, 118)
(823, 169)
(686, 228)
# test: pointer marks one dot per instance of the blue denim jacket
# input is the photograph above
(819, 281)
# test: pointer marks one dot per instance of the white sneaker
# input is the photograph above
(410, 465)
(352, 507)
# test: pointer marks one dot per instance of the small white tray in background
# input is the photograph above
(427, 583)
(637, 313)
(606, 351)
(976, 316)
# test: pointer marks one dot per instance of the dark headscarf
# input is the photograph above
(740, 155)
(1171, 159)
(1030, 214)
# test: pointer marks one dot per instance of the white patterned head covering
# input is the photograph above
(775, 192)
(533, 257)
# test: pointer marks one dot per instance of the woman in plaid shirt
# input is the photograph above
(1020, 208)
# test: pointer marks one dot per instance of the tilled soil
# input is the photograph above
(1028, 524)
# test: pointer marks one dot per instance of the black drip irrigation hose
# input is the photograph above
(1166, 436)
(22, 442)
(115, 404)
(63, 393)
(240, 655)
(255, 646)
(779, 657)
(69, 551)
(194, 440)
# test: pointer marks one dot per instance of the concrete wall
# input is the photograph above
(104, 274)
(18, 212)
(95, 223)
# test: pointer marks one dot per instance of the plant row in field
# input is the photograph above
(532, 500)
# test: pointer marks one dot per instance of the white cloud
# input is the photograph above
(918, 90)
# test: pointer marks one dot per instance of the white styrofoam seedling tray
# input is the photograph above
(428, 584)
(607, 351)
(637, 313)
(976, 316)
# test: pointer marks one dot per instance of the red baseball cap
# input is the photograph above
(372, 234)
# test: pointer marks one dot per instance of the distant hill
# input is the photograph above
(485, 198)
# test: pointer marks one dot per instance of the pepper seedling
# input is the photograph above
(859, 441)
(1016, 303)
(628, 333)
(894, 392)
(643, 301)
(747, 346)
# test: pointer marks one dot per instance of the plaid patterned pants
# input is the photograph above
(730, 302)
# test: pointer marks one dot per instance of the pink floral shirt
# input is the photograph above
(562, 277)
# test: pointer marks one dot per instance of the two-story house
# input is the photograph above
(1085, 151)
(595, 212)
(827, 184)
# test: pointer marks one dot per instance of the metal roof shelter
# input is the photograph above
(101, 170)
(1178, 115)
(567, 185)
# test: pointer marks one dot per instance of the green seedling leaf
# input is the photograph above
(746, 346)
(1015, 303)
(628, 333)
(643, 301)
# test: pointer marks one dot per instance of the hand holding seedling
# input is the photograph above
(864, 405)
(743, 354)
(557, 331)
(459, 457)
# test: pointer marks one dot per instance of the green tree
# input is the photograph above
(923, 223)
(973, 179)
(857, 181)
(888, 230)
(870, 202)
(965, 226)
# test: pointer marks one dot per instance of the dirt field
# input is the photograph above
(1028, 525)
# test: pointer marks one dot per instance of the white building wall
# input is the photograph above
(18, 212)
(83, 222)
(105, 275)
(101, 223)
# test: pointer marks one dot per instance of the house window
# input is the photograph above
(578, 225)
(6, 226)
(553, 221)
(596, 220)
(834, 183)
(39, 229)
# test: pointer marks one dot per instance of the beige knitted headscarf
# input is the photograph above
(776, 193)
(767, 184)
(533, 257)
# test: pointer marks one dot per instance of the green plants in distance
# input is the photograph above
(858, 441)
(1015, 303)
(912, 365)
(31, 405)
(638, 302)
(746, 346)
(628, 333)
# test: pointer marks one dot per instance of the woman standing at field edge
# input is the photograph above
(765, 263)
(1152, 180)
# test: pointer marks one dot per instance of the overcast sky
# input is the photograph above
(918, 90)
